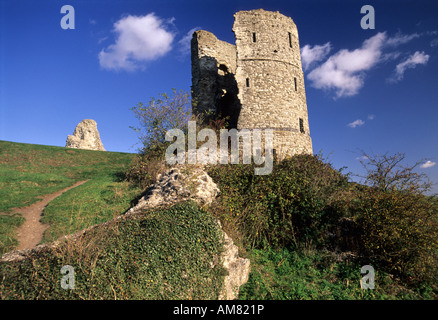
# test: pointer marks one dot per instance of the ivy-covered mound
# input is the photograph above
(168, 253)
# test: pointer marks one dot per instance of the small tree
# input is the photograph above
(386, 172)
(160, 115)
(155, 118)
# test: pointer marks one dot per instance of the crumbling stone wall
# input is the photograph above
(265, 87)
(85, 136)
(214, 87)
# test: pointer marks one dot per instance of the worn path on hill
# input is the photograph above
(30, 233)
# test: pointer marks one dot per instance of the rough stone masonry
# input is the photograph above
(85, 136)
(258, 82)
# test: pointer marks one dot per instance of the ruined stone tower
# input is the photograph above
(258, 82)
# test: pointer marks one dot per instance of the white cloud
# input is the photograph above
(371, 117)
(411, 62)
(434, 43)
(186, 40)
(100, 40)
(356, 123)
(138, 39)
(314, 54)
(428, 164)
(391, 56)
(344, 70)
(399, 39)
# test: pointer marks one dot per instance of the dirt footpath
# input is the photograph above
(30, 233)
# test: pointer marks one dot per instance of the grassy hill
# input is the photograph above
(30, 171)
(165, 254)
(305, 228)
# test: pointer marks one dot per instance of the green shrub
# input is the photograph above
(400, 232)
(292, 205)
(145, 167)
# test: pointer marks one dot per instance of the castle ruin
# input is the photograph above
(258, 82)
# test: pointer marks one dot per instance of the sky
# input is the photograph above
(373, 89)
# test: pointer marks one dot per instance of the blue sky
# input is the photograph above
(374, 89)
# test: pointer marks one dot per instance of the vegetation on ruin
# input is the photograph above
(306, 227)
(310, 211)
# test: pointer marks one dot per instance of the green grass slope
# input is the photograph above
(30, 171)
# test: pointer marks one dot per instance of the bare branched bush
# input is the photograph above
(386, 172)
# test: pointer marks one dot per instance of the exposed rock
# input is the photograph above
(178, 184)
(85, 136)
(18, 255)
(238, 269)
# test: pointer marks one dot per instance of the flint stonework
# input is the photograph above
(258, 83)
